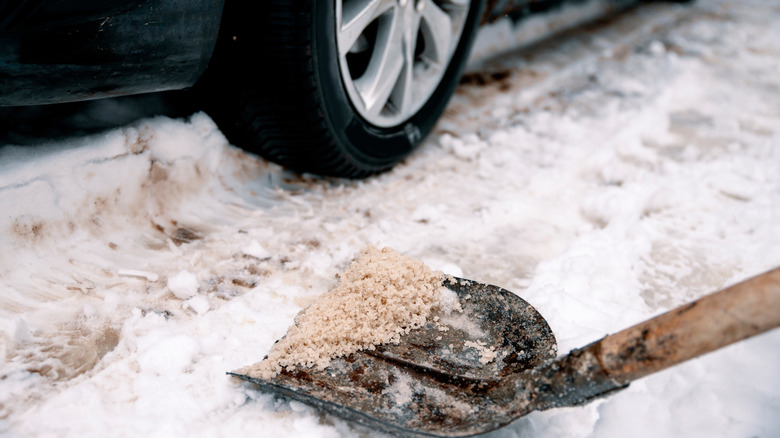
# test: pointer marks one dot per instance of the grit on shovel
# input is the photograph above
(496, 361)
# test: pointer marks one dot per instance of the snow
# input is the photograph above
(199, 305)
(254, 249)
(151, 276)
(616, 172)
(183, 285)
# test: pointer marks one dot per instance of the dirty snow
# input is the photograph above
(605, 176)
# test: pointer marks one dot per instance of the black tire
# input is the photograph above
(274, 88)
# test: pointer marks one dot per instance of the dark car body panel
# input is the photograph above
(67, 50)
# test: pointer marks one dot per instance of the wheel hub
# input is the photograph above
(393, 53)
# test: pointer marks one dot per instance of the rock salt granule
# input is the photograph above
(381, 296)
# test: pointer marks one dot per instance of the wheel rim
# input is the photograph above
(394, 53)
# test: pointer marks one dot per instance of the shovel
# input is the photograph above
(472, 372)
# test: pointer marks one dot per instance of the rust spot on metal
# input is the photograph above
(299, 374)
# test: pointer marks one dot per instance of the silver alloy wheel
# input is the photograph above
(394, 53)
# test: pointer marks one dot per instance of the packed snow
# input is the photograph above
(605, 175)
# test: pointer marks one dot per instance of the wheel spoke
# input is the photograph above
(401, 96)
(356, 15)
(437, 31)
(385, 67)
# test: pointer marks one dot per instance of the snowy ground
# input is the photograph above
(605, 175)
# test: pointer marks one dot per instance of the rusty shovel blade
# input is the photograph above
(444, 379)
(473, 372)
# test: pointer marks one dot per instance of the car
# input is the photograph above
(346, 88)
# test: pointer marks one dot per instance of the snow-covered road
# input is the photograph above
(604, 175)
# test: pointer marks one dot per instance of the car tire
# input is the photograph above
(279, 84)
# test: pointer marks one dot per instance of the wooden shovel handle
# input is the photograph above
(740, 311)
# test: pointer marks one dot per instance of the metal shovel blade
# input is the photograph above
(473, 372)
(442, 379)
